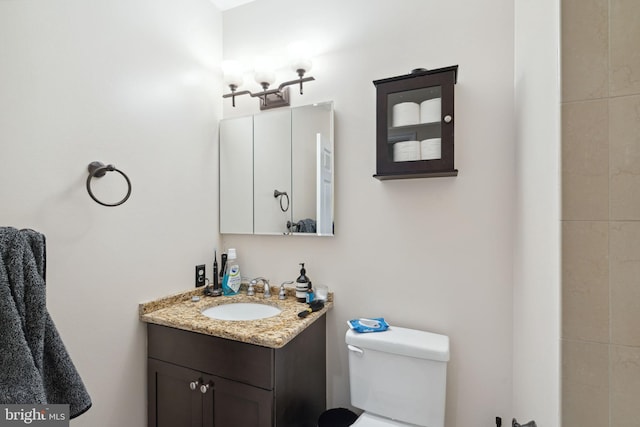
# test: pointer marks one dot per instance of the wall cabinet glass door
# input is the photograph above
(415, 123)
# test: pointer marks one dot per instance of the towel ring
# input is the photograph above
(98, 170)
(279, 195)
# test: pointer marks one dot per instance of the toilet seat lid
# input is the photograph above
(371, 420)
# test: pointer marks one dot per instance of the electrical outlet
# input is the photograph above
(200, 275)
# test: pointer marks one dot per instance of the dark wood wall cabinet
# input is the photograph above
(197, 380)
(414, 124)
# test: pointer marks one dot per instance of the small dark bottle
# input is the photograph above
(310, 294)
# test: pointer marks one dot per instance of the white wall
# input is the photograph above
(134, 83)
(434, 254)
(536, 367)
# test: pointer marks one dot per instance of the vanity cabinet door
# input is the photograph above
(171, 401)
(236, 404)
(176, 399)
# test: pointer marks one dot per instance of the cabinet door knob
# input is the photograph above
(204, 388)
(448, 118)
(194, 384)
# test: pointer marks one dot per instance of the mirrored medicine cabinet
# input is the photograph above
(276, 172)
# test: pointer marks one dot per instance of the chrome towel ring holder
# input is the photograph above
(98, 170)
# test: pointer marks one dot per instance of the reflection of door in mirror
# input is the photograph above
(312, 178)
(271, 171)
(325, 185)
(236, 176)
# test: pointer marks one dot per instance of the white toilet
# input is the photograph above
(398, 377)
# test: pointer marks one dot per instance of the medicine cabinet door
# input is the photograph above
(312, 169)
(236, 176)
(272, 171)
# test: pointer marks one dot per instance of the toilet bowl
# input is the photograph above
(398, 377)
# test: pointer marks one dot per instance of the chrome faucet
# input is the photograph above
(251, 290)
(265, 282)
(283, 292)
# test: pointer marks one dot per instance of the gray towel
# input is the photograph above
(36, 368)
(307, 225)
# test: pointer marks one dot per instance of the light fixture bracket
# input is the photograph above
(276, 100)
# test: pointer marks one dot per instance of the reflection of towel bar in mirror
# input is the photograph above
(98, 170)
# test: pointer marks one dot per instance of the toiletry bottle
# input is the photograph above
(223, 267)
(232, 279)
(223, 272)
(310, 294)
(302, 284)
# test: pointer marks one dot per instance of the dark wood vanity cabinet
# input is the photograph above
(178, 399)
(415, 123)
(199, 380)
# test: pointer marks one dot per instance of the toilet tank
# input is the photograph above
(399, 374)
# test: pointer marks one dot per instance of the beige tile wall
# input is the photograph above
(601, 213)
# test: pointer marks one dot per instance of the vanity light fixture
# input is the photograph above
(264, 75)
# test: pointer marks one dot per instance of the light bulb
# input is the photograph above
(265, 77)
(264, 73)
(300, 57)
(233, 73)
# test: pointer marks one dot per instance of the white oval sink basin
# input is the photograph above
(241, 311)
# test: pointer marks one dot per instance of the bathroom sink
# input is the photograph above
(241, 311)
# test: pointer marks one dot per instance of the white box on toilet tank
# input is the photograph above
(399, 374)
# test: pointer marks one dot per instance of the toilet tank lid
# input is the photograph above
(403, 341)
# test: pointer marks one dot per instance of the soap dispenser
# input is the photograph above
(302, 284)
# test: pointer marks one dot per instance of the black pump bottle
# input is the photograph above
(302, 284)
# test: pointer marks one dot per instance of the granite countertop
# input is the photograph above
(179, 311)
